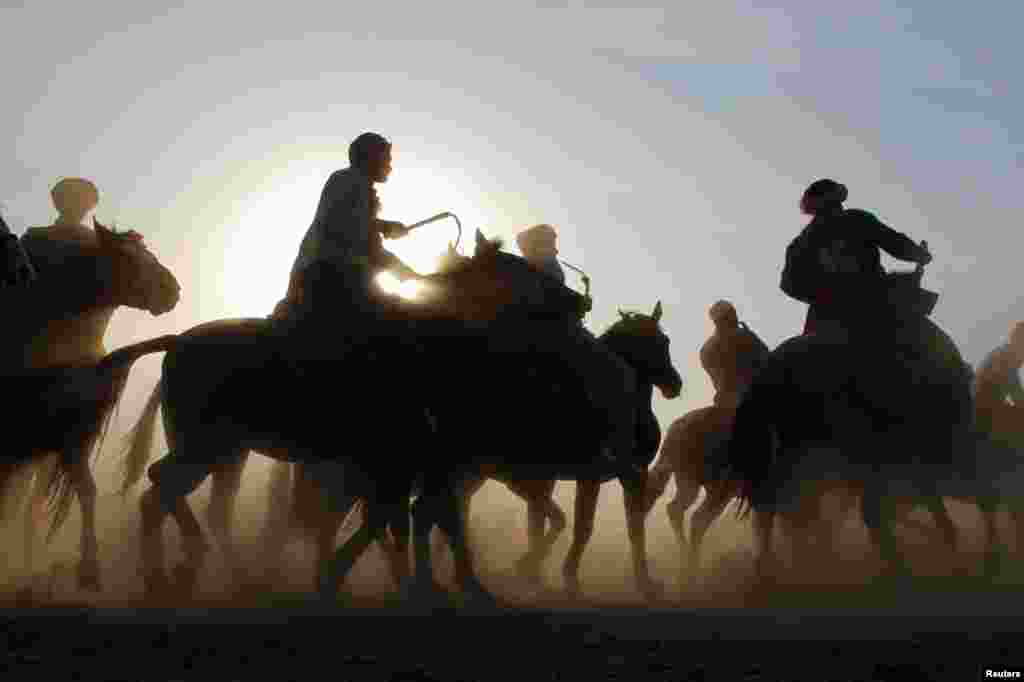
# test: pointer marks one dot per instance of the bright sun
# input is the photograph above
(263, 246)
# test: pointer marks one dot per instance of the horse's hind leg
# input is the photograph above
(173, 478)
(719, 494)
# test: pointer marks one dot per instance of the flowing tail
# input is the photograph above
(139, 442)
(751, 450)
(112, 374)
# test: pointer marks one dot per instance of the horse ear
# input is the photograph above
(622, 314)
(657, 312)
(480, 238)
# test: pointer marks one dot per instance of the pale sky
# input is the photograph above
(668, 145)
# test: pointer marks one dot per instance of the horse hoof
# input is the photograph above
(89, 576)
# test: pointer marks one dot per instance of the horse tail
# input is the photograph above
(139, 442)
(750, 452)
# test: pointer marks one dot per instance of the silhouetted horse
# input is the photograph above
(212, 393)
(637, 339)
(886, 413)
(49, 353)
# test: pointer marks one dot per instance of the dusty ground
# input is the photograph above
(832, 619)
(374, 641)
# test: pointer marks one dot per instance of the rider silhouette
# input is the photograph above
(998, 379)
(539, 247)
(835, 264)
(343, 248)
(731, 356)
(605, 376)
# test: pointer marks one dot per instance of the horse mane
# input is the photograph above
(629, 323)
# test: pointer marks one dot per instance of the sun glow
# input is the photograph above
(262, 247)
(409, 289)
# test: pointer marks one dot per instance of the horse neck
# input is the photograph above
(62, 318)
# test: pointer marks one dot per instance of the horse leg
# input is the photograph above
(877, 513)
(528, 565)
(227, 480)
(371, 529)
(545, 544)
(633, 487)
(942, 520)
(450, 517)
(77, 465)
(422, 523)
(587, 493)
(397, 551)
(995, 550)
(718, 496)
(173, 478)
(687, 491)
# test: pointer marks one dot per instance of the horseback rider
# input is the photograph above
(17, 268)
(607, 380)
(998, 394)
(835, 263)
(342, 251)
(49, 248)
(732, 355)
(539, 246)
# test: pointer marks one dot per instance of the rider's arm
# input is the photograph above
(896, 244)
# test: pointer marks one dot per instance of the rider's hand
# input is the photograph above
(926, 256)
(394, 229)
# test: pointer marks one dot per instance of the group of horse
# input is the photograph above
(396, 421)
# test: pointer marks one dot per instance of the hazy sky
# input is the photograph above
(668, 145)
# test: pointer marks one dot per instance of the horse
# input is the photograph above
(640, 342)
(52, 342)
(880, 415)
(213, 418)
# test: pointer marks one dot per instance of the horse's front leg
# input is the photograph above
(633, 487)
(77, 466)
(587, 493)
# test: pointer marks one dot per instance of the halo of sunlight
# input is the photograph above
(263, 245)
(416, 192)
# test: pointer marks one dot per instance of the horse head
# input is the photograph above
(641, 342)
(138, 279)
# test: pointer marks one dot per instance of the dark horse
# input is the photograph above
(887, 413)
(213, 393)
(636, 338)
(50, 354)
